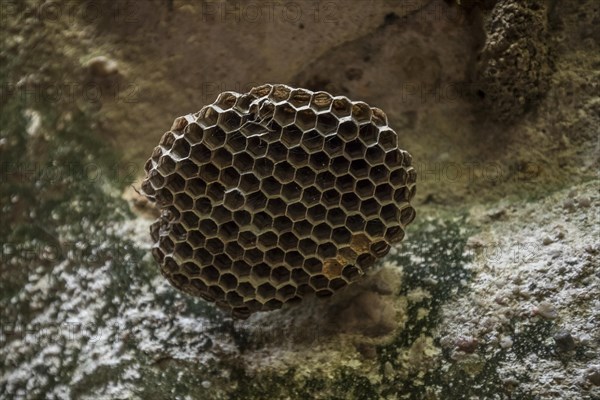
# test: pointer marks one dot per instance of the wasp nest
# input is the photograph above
(272, 195)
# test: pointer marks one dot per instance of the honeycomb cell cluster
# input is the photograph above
(275, 194)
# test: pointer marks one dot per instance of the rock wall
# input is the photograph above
(492, 295)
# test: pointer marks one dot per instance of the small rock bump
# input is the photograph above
(546, 310)
(564, 341)
(467, 344)
(584, 202)
(102, 66)
(593, 377)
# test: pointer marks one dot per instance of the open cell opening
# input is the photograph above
(306, 119)
(270, 186)
(319, 282)
(247, 239)
(327, 124)
(263, 167)
(307, 246)
(341, 235)
(277, 152)
(200, 154)
(294, 259)
(210, 274)
(229, 231)
(209, 173)
(407, 216)
(276, 206)
(240, 268)
(274, 256)
(261, 270)
(229, 121)
(322, 231)
(302, 228)
(262, 220)
(291, 136)
(189, 220)
(313, 265)
(280, 275)
(203, 257)
(256, 201)
(284, 172)
(184, 251)
(331, 198)
(355, 150)
(333, 146)
(284, 115)
(254, 256)
(180, 149)
(288, 241)
(234, 250)
(202, 206)
(222, 262)
(215, 191)
(246, 289)
(243, 163)
(166, 165)
(355, 223)
(221, 214)
(370, 207)
(365, 188)
(286, 292)
(267, 240)
(298, 156)
(242, 217)
(365, 261)
(296, 211)
(227, 281)
(249, 183)
(282, 224)
(221, 158)
(350, 202)
(312, 141)
(327, 251)
(336, 216)
(214, 138)
(214, 245)
(325, 180)
(291, 192)
(195, 238)
(299, 276)
(256, 146)
(319, 161)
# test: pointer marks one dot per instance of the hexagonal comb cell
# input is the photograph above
(276, 194)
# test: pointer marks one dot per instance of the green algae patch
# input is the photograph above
(56, 177)
(66, 264)
(434, 262)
